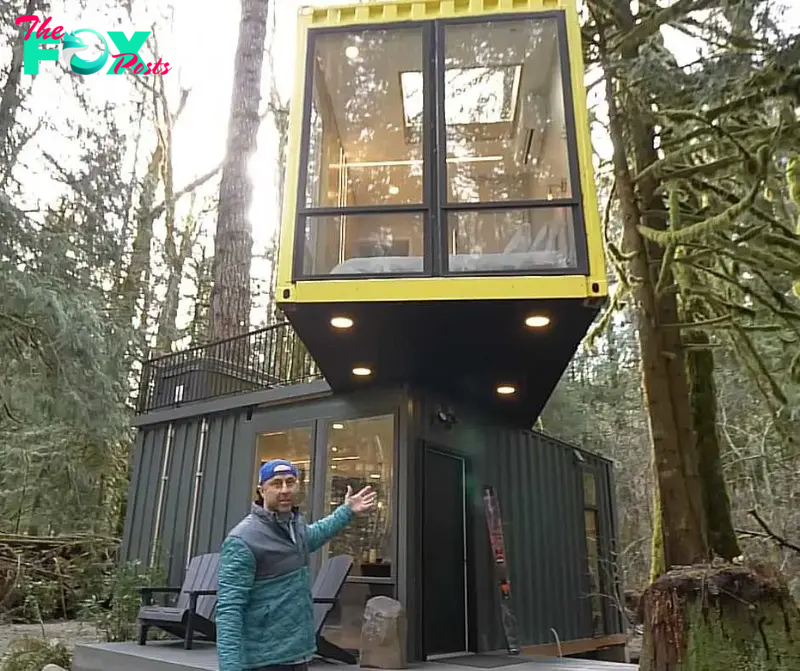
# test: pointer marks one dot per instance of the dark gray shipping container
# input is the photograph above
(193, 478)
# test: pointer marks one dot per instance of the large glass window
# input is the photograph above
(296, 445)
(363, 152)
(505, 130)
(364, 243)
(361, 453)
(501, 196)
(591, 519)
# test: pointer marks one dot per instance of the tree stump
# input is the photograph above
(720, 618)
(383, 634)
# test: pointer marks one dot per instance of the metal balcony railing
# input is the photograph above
(269, 357)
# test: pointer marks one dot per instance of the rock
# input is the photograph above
(53, 667)
(383, 634)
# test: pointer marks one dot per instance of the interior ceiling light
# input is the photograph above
(341, 322)
(506, 389)
(337, 425)
(537, 321)
(361, 371)
(351, 52)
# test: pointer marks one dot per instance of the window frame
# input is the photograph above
(303, 213)
(435, 206)
(323, 463)
(593, 507)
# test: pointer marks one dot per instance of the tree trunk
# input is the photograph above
(719, 618)
(11, 98)
(702, 393)
(700, 365)
(233, 241)
(664, 379)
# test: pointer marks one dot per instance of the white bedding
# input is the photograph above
(463, 263)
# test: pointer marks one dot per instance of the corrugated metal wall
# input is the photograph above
(539, 483)
(220, 466)
(538, 480)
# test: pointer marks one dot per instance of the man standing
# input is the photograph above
(265, 612)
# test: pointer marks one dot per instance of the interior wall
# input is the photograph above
(539, 484)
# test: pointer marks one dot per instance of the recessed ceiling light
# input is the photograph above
(537, 321)
(341, 322)
(506, 389)
(394, 190)
(337, 425)
(361, 371)
(351, 52)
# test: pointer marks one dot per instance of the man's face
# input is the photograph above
(279, 492)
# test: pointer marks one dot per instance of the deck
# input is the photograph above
(170, 656)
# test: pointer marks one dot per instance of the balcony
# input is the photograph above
(441, 182)
(264, 359)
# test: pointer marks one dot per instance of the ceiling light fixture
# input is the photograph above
(341, 322)
(337, 425)
(506, 389)
(361, 371)
(537, 321)
(393, 190)
(351, 52)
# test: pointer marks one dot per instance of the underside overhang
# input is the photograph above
(466, 349)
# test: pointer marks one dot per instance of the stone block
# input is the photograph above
(383, 634)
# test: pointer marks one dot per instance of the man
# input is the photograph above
(265, 613)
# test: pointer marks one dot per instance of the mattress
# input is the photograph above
(459, 263)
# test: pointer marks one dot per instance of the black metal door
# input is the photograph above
(443, 555)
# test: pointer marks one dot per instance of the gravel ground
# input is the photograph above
(70, 632)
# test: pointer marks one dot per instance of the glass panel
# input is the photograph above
(504, 112)
(343, 624)
(364, 244)
(511, 240)
(589, 490)
(364, 147)
(361, 453)
(296, 445)
(590, 519)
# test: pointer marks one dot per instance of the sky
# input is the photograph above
(200, 44)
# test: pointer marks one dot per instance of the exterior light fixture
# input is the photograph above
(341, 322)
(361, 371)
(537, 321)
(506, 389)
(351, 52)
(394, 190)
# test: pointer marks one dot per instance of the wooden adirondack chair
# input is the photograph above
(327, 586)
(195, 610)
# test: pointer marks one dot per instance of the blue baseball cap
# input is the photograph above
(276, 467)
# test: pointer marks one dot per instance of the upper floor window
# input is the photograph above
(439, 148)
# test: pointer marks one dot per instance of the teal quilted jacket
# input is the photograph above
(265, 614)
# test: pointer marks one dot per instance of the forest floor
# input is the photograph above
(68, 632)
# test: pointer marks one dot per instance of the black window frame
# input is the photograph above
(435, 206)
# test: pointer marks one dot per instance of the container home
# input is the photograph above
(440, 224)
(194, 474)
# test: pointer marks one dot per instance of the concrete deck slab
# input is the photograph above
(170, 656)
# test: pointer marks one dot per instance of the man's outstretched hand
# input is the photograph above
(362, 502)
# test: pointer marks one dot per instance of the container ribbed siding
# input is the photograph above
(538, 480)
